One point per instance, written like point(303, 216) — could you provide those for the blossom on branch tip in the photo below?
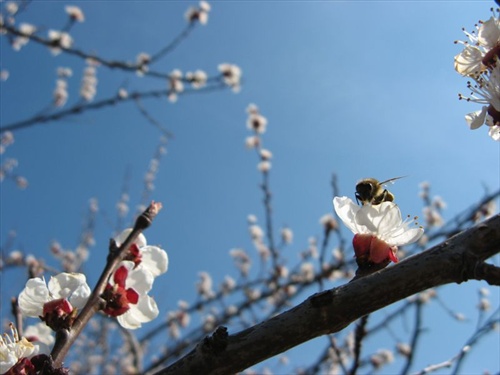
point(378, 230)
point(200, 14)
point(75, 13)
point(126, 296)
point(152, 258)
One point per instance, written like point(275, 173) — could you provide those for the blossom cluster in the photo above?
point(58, 302)
point(9, 164)
point(479, 62)
point(257, 124)
point(88, 88)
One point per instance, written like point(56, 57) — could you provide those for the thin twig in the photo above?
point(414, 340)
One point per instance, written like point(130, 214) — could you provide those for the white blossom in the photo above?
point(88, 87)
point(231, 75)
point(75, 13)
point(287, 235)
point(70, 286)
point(59, 39)
point(152, 258)
point(479, 61)
point(140, 280)
point(13, 348)
point(382, 222)
point(20, 41)
point(199, 14)
point(198, 79)
point(175, 85)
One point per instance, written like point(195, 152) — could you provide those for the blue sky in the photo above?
point(353, 88)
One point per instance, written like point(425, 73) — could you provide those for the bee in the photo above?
point(371, 191)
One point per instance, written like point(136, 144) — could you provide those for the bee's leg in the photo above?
point(387, 196)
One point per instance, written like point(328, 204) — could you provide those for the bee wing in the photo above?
point(391, 180)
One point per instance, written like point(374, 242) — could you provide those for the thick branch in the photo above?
point(453, 261)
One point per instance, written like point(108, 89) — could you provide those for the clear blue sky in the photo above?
point(353, 88)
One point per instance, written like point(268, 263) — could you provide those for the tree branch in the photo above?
point(454, 261)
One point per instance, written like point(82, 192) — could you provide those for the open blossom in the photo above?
point(204, 286)
point(231, 75)
point(378, 229)
point(142, 61)
point(13, 351)
point(175, 85)
point(59, 39)
point(256, 122)
point(75, 13)
point(198, 79)
point(286, 235)
point(152, 258)
point(480, 50)
point(37, 295)
point(20, 41)
point(198, 14)
point(126, 296)
point(479, 61)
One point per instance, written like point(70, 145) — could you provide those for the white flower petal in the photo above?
point(390, 217)
point(476, 119)
point(145, 311)
point(494, 132)
point(140, 240)
point(467, 64)
point(346, 209)
point(40, 333)
point(404, 238)
point(72, 286)
point(7, 359)
point(154, 259)
point(33, 296)
point(488, 34)
point(140, 279)
point(469, 61)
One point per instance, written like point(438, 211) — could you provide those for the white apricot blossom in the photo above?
point(13, 348)
point(152, 258)
point(70, 286)
point(378, 229)
point(479, 61)
point(126, 296)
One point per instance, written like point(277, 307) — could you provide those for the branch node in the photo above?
point(322, 299)
point(216, 343)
